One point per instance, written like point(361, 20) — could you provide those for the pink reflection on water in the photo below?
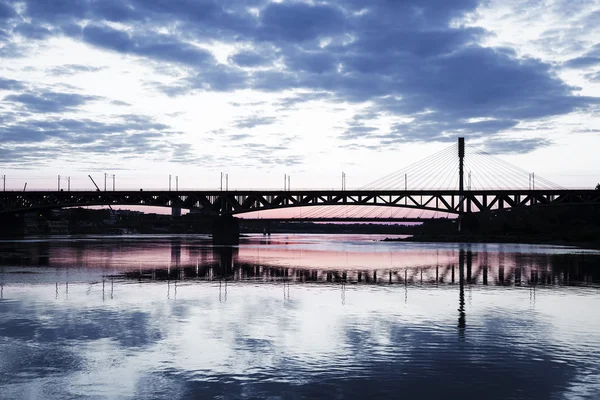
point(347, 258)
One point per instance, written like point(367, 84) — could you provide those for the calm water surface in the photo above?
point(296, 316)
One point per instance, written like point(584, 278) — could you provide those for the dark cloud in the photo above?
point(428, 129)
point(514, 146)
point(292, 101)
point(262, 157)
point(592, 21)
point(57, 11)
point(152, 45)
point(82, 131)
point(6, 11)
point(10, 49)
point(10, 84)
point(31, 31)
point(405, 58)
point(589, 59)
point(210, 77)
point(49, 102)
point(185, 154)
point(119, 103)
point(238, 136)
point(254, 121)
point(594, 76)
point(250, 59)
point(297, 22)
point(357, 131)
point(72, 69)
point(312, 62)
point(34, 141)
point(114, 10)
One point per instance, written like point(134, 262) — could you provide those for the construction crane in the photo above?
point(94, 182)
point(98, 189)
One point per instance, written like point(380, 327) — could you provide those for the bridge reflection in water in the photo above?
point(470, 268)
point(508, 269)
point(308, 259)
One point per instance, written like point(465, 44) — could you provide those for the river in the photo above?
point(296, 316)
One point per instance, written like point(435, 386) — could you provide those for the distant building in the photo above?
point(35, 225)
point(58, 227)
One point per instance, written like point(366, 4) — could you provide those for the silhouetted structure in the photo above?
point(470, 205)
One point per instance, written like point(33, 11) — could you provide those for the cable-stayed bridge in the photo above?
point(455, 181)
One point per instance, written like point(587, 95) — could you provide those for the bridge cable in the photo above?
point(418, 176)
point(422, 173)
point(381, 182)
point(443, 177)
point(501, 171)
point(413, 168)
point(517, 170)
point(501, 174)
point(423, 170)
point(521, 171)
point(428, 170)
point(482, 172)
point(427, 177)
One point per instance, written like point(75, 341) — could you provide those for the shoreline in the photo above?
point(518, 239)
point(423, 238)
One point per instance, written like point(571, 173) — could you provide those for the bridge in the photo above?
point(233, 202)
point(438, 184)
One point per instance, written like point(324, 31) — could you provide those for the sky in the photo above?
point(141, 89)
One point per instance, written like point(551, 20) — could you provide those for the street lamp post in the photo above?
point(113, 178)
point(105, 176)
point(68, 178)
point(469, 185)
point(4, 183)
point(532, 181)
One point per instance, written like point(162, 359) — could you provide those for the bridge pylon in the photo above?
point(461, 179)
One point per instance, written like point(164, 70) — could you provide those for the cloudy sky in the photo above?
point(257, 89)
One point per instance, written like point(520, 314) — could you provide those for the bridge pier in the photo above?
point(267, 229)
point(11, 225)
point(226, 231)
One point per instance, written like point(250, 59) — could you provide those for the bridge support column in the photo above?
point(226, 231)
point(267, 229)
point(12, 225)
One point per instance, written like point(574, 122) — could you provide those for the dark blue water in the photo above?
point(298, 316)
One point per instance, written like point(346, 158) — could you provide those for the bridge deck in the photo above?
point(243, 201)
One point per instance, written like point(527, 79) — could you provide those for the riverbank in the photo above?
point(587, 242)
